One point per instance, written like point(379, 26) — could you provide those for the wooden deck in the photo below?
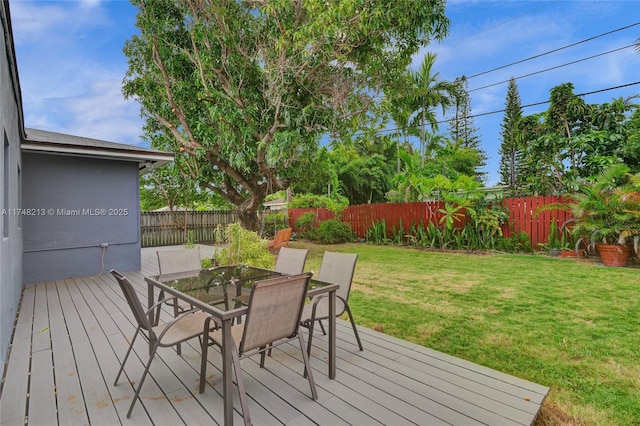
point(71, 334)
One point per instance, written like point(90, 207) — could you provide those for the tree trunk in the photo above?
point(248, 215)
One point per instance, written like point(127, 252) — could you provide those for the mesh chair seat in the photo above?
point(273, 317)
point(184, 327)
point(336, 268)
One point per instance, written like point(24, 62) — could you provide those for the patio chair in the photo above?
point(281, 239)
point(179, 262)
point(336, 268)
point(186, 326)
point(291, 261)
point(273, 317)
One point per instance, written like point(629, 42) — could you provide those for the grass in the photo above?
point(572, 325)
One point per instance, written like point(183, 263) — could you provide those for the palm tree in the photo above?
point(428, 94)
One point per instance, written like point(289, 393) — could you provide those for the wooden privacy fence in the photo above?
point(171, 228)
point(522, 216)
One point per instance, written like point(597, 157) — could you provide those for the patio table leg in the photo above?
point(227, 377)
point(332, 334)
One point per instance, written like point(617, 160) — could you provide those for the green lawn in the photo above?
point(572, 325)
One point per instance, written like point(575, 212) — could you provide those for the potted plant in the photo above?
point(606, 212)
point(571, 247)
point(555, 242)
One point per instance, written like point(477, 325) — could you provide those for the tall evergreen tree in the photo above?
point(462, 129)
point(510, 149)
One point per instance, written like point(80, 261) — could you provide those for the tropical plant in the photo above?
point(606, 210)
point(377, 234)
point(427, 95)
point(244, 247)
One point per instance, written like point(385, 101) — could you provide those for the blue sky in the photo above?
point(71, 63)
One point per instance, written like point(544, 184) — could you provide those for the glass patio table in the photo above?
point(223, 293)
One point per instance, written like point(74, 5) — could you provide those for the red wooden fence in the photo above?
point(524, 216)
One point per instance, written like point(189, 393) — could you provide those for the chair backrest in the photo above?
point(181, 260)
point(134, 302)
point(338, 268)
point(281, 239)
point(283, 235)
point(275, 308)
point(291, 261)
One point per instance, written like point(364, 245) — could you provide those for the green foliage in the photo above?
point(607, 210)
point(279, 195)
point(332, 231)
point(484, 225)
point(377, 234)
point(190, 242)
point(206, 262)
point(244, 247)
point(336, 203)
point(557, 239)
point(363, 169)
point(397, 232)
point(519, 243)
point(274, 221)
point(306, 222)
point(510, 146)
point(573, 141)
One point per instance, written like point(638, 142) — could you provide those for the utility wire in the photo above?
point(523, 106)
point(553, 68)
point(554, 50)
point(546, 102)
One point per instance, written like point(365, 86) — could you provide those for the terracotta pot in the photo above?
point(571, 253)
point(613, 254)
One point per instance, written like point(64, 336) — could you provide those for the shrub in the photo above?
point(306, 222)
point(515, 244)
point(332, 231)
point(244, 247)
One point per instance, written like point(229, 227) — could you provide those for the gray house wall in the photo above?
point(11, 130)
point(79, 204)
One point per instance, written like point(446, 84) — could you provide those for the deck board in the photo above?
point(71, 335)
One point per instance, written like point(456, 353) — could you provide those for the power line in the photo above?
point(523, 106)
point(553, 68)
point(554, 50)
point(546, 102)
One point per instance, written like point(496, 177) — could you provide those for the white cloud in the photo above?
point(69, 82)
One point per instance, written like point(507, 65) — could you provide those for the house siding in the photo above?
point(10, 162)
point(79, 205)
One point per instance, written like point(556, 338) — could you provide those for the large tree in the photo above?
point(245, 89)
